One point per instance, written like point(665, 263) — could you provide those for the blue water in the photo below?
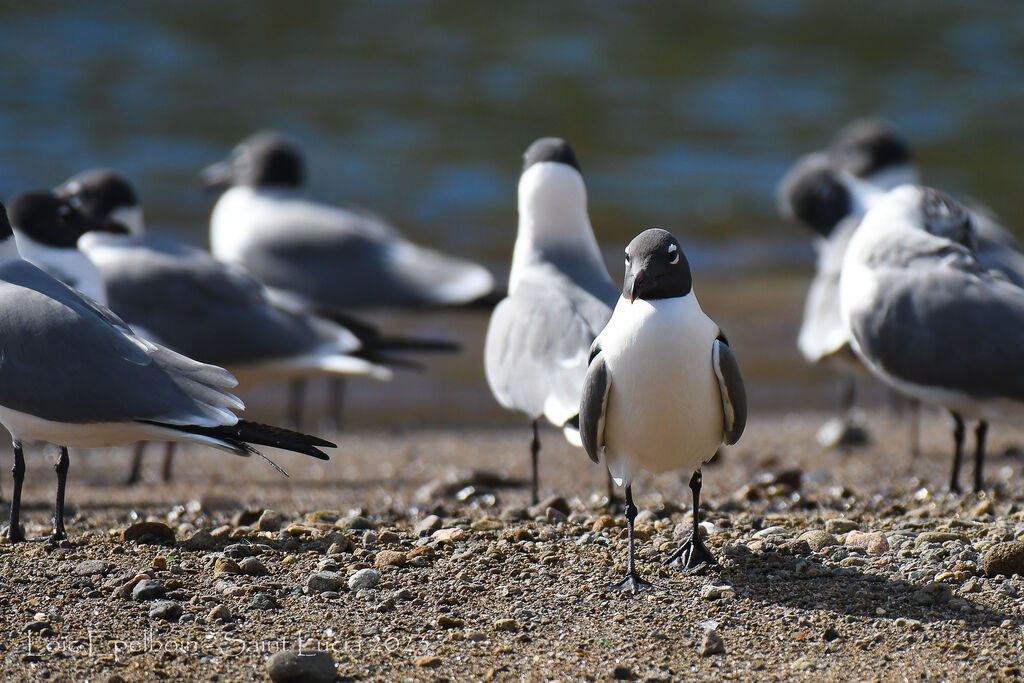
point(683, 115)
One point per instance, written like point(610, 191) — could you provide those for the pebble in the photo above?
point(168, 610)
point(841, 526)
point(37, 626)
point(226, 565)
point(263, 601)
point(505, 625)
point(238, 551)
point(487, 524)
point(818, 539)
point(355, 522)
point(320, 582)
point(270, 520)
point(246, 517)
point(201, 540)
point(794, 547)
point(933, 593)
point(302, 666)
point(772, 531)
point(829, 634)
point(148, 589)
point(91, 567)
point(723, 592)
point(389, 558)
point(873, 541)
point(515, 513)
point(554, 502)
point(149, 533)
point(1004, 558)
point(445, 622)
point(364, 579)
point(603, 522)
point(428, 662)
point(712, 643)
point(939, 537)
point(389, 538)
point(622, 673)
point(476, 636)
point(450, 535)
point(428, 525)
point(220, 613)
point(250, 566)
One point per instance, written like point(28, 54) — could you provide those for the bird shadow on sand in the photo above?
point(785, 580)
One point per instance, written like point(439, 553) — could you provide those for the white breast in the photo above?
point(665, 409)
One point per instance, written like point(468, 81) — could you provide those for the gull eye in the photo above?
point(627, 258)
point(673, 254)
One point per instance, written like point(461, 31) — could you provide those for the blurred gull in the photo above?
point(559, 298)
point(74, 374)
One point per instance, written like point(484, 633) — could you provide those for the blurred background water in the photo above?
point(683, 115)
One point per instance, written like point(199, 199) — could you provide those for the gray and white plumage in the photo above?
point(327, 255)
point(663, 389)
point(924, 313)
point(559, 294)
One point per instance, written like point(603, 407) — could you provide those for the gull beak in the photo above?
point(218, 176)
point(639, 280)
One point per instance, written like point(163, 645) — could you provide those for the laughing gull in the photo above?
point(74, 374)
point(663, 390)
point(559, 297)
point(929, 319)
point(326, 255)
point(47, 229)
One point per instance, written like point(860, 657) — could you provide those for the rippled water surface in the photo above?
point(682, 114)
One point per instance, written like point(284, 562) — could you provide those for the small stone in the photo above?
point(445, 622)
point(710, 592)
point(389, 538)
point(37, 626)
point(646, 517)
point(201, 540)
point(802, 664)
point(873, 541)
point(771, 531)
point(796, 547)
point(505, 625)
point(622, 673)
point(246, 517)
point(842, 432)
point(226, 565)
point(712, 643)
point(250, 566)
point(428, 662)
point(302, 666)
point(939, 537)
point(263, 601)
point(476, 636)
point(933, 593)
point(160, 562)
point(840, 526)
point(818, 539)
point(1004, 558)
point(515, 513)
point(168, 610)
point(364, 579)
point(270, 520)
point(428, 525)
point(519, 535)
point(355, 522)
point(149, 533)
point(238, 551)
point(323, 517)
point(487, 524)
point(554, 502)
point(450, 535)
point(91, 567)
point(321, 582)
point(220, 613)
point(829, 634)
point(389, 558)
point(603, 522)
point(148, 589)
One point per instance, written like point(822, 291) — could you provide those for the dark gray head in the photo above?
point(867, 146)
point(265, 159)
point(946, 217)
point(549, 149)
point(813, 194)
point(99, 192)
point(5, 225)
point(50, 220)
point(656, 267)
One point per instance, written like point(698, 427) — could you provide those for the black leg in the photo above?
point(847, 395)
point(63, 463)
point(168, 470)
point(612, 498)
point(632, 582)
point(335, 400)
point(135, 473)
point(18, 473)
point(534, 450)
point(296, 398)
point(958, 453)
point(914, 420)
point(693, 553)
point(980, 434)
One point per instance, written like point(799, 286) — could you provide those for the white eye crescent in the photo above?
point(673, 254)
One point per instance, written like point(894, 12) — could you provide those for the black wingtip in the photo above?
point(243, 433)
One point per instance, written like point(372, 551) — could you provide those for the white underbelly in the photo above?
point(25, 427)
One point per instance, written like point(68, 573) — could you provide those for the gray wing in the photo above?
point(339, 258)
point(67, 359)
point(203, 308)
point(538, 343)
point(594, 407)
point(949, 325)
point(732, 390)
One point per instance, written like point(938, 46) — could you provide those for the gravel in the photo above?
point(364, 579)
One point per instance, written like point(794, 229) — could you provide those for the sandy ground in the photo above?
point(836, 613)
